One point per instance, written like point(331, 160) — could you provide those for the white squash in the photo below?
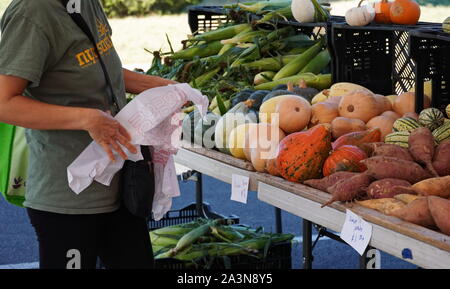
point(303, 11)
point(360, 16)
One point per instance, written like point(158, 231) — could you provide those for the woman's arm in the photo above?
point(23, 111)
point(136, 82)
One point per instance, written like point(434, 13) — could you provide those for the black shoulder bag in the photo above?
point(138, 181)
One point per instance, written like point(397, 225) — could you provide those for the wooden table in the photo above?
point(429, 249)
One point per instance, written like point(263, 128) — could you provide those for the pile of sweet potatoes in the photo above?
point(412, 184)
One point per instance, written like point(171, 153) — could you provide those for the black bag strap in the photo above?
point(79, 20)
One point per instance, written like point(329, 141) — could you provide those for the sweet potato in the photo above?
point(406, 198)
point(440, 210)
point(326, 182)
point(441, 159)
point(348, 189)
point(392, 150)
point(380, 167)
point(416, 212)
point(433, 187)
point(369, 148)
point(384, 205)
point(359, 137)
point(421, 147)
point(387, 188)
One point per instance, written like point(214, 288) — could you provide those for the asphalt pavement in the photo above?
point(19, 249)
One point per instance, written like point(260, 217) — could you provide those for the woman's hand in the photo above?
point(108, 133)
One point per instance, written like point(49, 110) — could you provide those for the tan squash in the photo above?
point(263, 142)
point(406, 102)
point(412, 115)
point(384, 123)
point(359, 104)
point(251, 134)
point(294, 113)
point(343, 125)
point(324, 112)
point(383, 103)
point(392, 114)
point(334, 99)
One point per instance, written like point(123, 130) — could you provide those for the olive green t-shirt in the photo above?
point(41, 43)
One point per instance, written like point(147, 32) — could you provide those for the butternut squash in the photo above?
point(294, 113)
point(384, 103)
point(359, 104)
point(324, 112)
point(384, 123)
point(391, 114)
point(406, 102)
point(343, 125)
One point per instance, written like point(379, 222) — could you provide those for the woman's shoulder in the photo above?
point(42, 13)
point(33, 10)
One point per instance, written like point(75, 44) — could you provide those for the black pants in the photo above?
point(119, 239)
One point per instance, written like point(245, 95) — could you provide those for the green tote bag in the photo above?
point(13, 163)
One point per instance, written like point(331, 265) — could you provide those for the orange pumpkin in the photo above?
point(301, 155)
point(271, 167)
point(406, 12)
point(346, 158)
point(358, 138)
point(382, 12)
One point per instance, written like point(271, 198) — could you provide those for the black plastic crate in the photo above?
point(186, 215)
point(278, 257)
point(430, 50)
point(205, 18)
point(375, 56)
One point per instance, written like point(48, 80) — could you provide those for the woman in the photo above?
point(51, 82)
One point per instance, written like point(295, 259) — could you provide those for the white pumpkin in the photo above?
point(360, 16)
point(303, 11)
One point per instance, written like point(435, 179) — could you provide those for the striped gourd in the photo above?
point(446, 25)
point(399, 138)
point(442, 133)
point(431, 118)
point(407, 124)
point(447, 111)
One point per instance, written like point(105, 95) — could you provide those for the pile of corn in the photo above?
point(203, 238)
point(224, 61)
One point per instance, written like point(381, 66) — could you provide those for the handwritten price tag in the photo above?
point(356, 232)
point(239, 188)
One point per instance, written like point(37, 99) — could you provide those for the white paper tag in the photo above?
point(239, 188)
point(356, 232)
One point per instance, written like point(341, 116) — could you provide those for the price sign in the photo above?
point(239, 188)
point(356, 232)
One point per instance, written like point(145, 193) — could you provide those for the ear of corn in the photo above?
point(297, 64)
point(227, 47)
point(221, 33)
point(204, 78)
point(282, 13)
point(270, 64)
point(318, 63)
point(201, 51)
point(245, 37)
point(321, 81)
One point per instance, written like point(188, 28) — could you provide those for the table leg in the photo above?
point(199, 195)
point(278, 223)
point(307, 244)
